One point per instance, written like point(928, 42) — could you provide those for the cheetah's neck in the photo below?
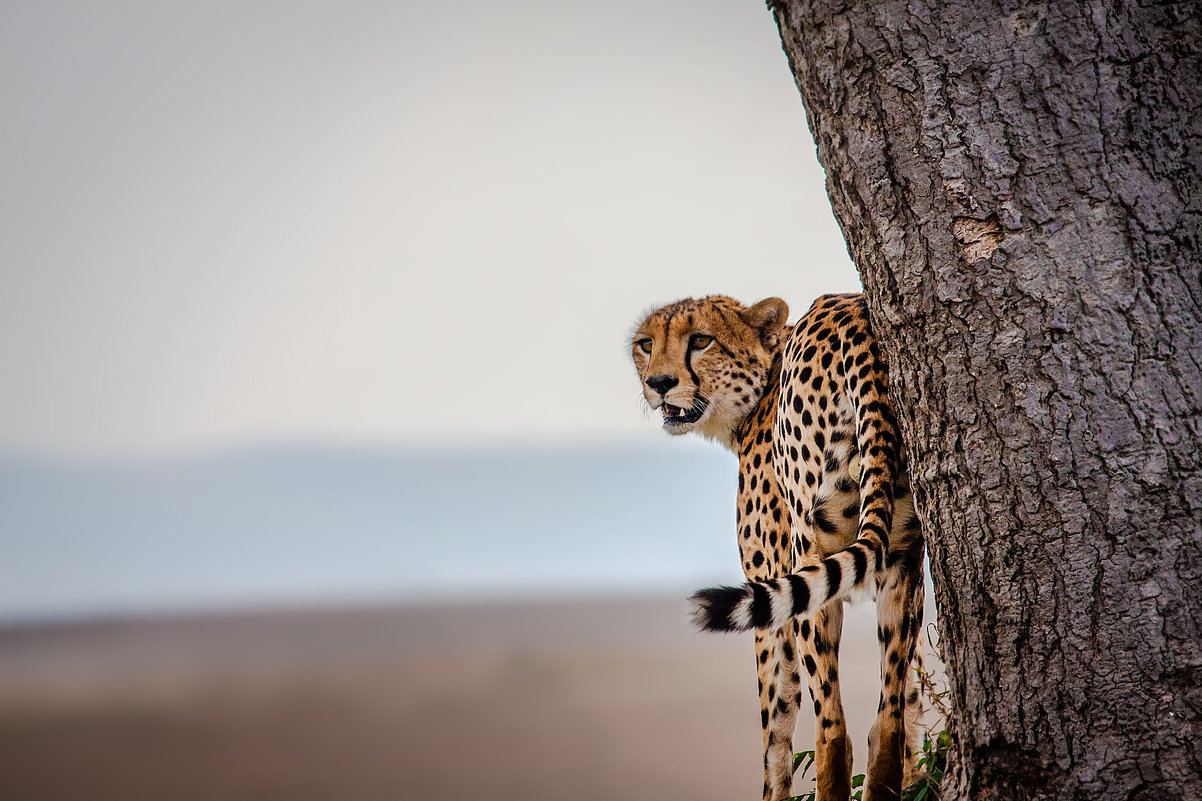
point(762, 416)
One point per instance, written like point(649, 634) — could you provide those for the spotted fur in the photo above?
point(824, 511)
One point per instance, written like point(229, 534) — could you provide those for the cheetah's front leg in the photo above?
point(779, 681)
point(819, 641)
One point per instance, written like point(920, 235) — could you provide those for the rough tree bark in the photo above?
point(1020, 185)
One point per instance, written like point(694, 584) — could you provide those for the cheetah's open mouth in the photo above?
point(679, 416)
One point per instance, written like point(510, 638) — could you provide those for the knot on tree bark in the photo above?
point(978, 239)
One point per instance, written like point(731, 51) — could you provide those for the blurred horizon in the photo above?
point(287, 525)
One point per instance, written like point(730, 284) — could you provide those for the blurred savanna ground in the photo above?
point(596, 700)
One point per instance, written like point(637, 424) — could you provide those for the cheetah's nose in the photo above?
point(662, 383)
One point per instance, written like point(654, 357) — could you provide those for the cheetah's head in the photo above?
point(704, 363)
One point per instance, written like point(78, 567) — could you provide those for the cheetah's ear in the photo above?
point(766, 318)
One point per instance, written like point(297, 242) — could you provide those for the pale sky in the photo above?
point(384, 222)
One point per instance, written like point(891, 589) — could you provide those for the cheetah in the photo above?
point(824, 511)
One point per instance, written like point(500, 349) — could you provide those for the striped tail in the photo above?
point(771, 603)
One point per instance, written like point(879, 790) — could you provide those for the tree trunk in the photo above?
point(1020, 186)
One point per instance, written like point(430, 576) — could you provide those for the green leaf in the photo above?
point(857, 780)
point(803, 797)
point(804, 759)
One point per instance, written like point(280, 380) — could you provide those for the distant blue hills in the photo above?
point(279, 526)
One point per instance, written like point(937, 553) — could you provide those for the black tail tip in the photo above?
point(713, 609)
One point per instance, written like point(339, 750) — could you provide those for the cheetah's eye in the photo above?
point(644, 345)
point(700, 341)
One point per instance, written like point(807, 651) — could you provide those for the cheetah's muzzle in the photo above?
point(678, 416)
